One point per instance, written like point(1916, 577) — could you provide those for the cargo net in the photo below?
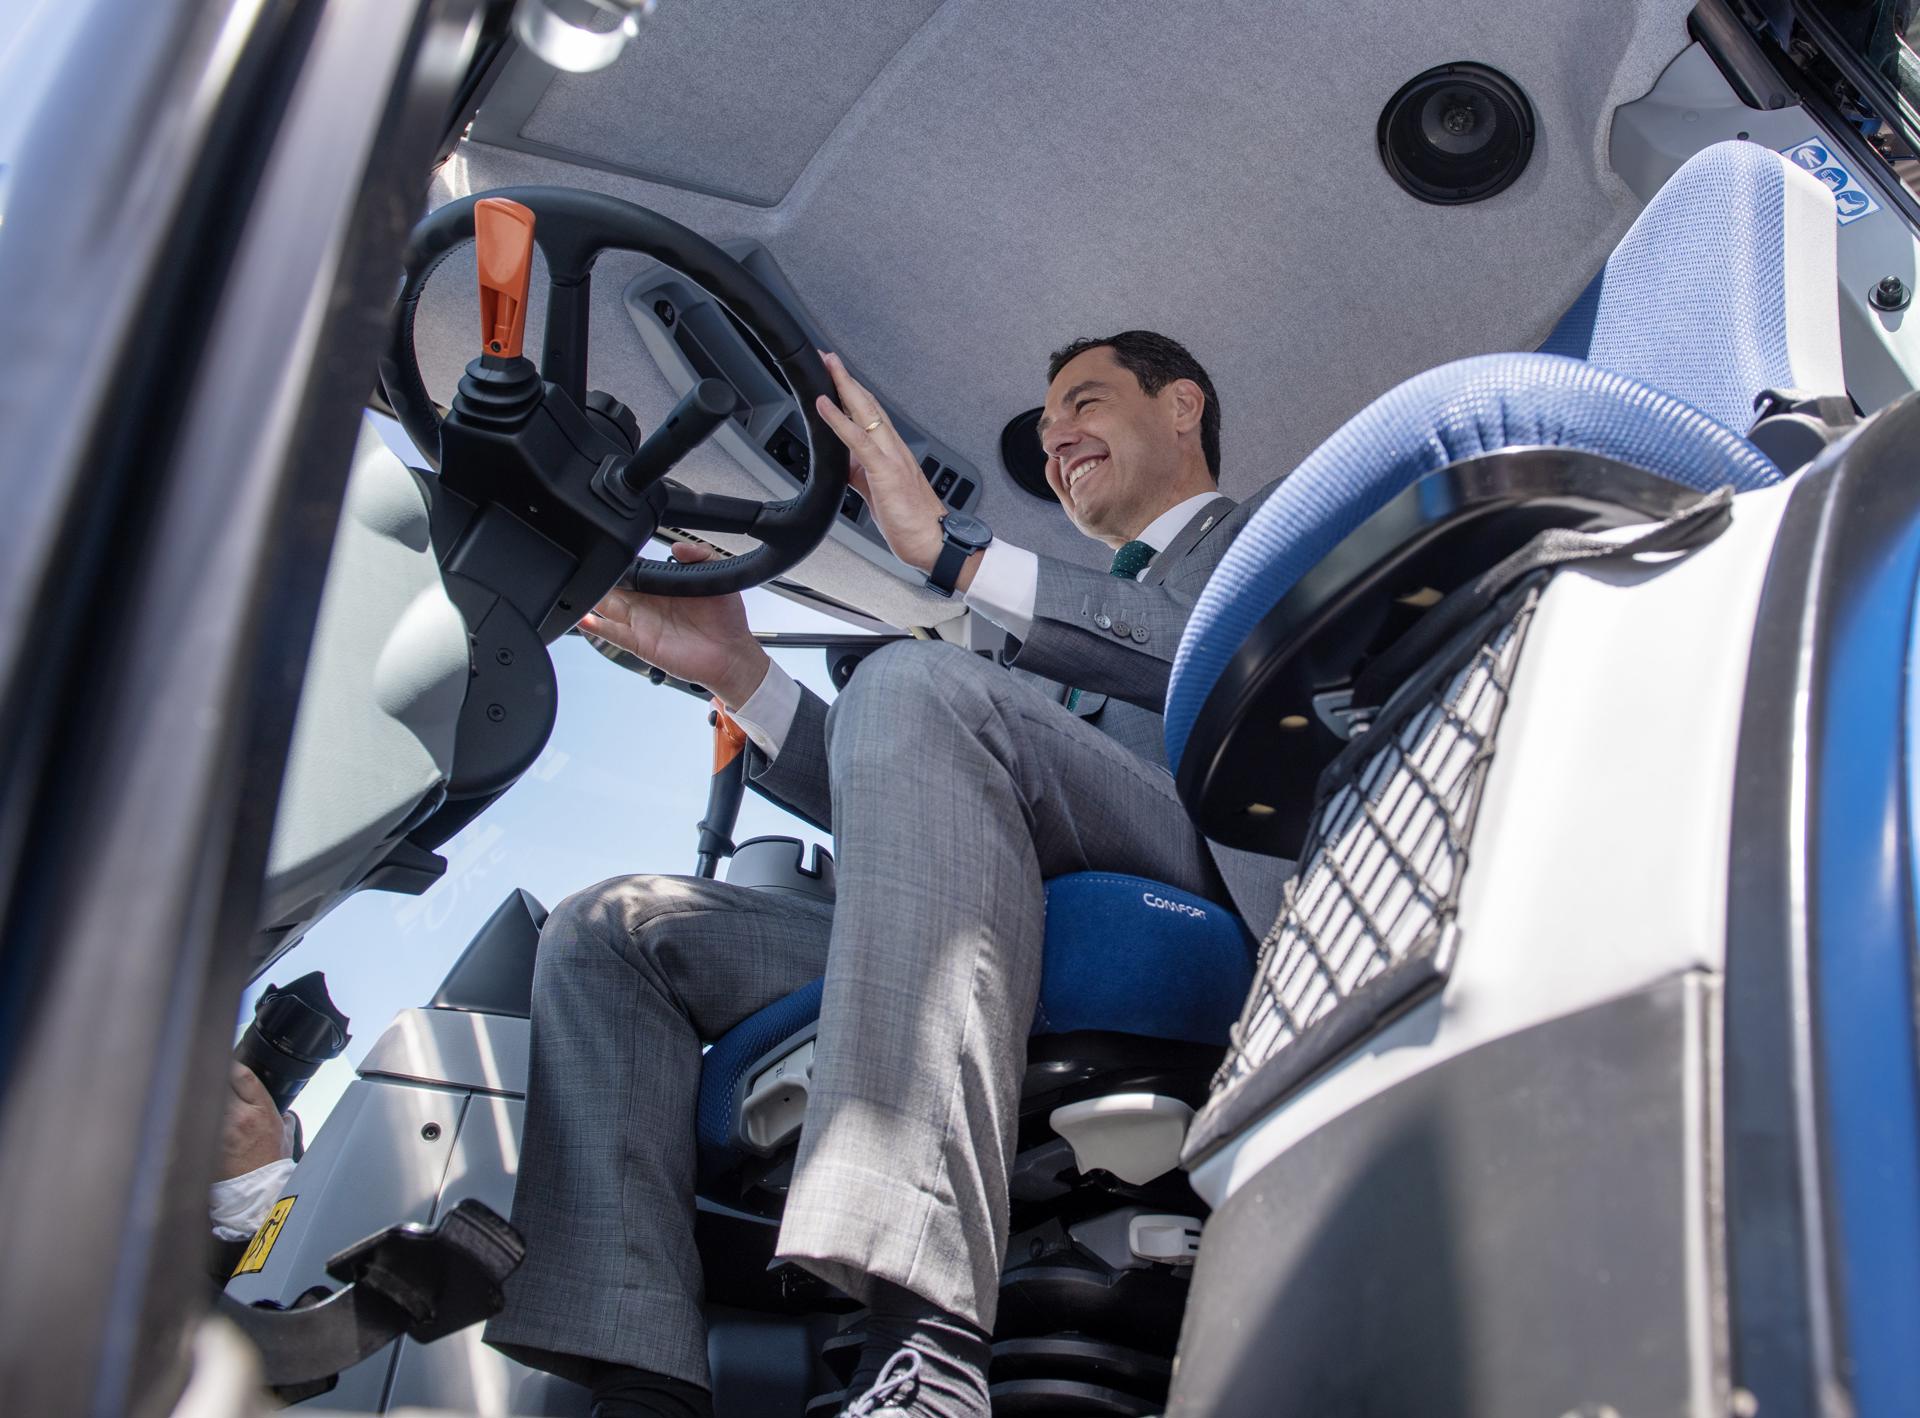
point(1368, 921)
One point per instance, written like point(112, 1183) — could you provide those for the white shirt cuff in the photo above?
point(767, 716)
point(239, 1204)
point(1004, 586)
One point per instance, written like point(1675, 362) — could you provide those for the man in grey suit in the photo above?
point(953, 789)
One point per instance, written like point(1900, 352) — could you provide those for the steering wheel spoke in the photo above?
point(563, 346)
point(684, 510)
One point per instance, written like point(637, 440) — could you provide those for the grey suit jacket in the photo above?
point(1113, 639)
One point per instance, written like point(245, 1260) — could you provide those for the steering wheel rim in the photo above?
point(572, 228)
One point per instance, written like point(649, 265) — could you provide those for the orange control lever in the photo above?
point(728, 737)
point(724, 791)
point(503, 249)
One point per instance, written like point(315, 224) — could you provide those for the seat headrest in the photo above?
point(1726, 285)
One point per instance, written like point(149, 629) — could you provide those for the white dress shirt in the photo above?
point(239, 1204)
point(1003, 590)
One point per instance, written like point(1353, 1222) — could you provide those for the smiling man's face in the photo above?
point(1116, 455)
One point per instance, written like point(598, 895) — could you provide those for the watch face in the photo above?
point(968, 531)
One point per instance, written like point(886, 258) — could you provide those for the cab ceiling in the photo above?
point(957, 188)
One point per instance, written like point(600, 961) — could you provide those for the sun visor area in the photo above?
point(723, 97)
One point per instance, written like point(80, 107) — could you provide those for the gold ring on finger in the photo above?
point(870, 427)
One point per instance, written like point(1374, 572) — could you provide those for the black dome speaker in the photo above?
point(1455, 134)
point(1020, 454)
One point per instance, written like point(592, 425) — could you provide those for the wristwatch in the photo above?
point(961, 537)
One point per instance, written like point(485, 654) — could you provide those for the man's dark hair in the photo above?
point(1156, 362)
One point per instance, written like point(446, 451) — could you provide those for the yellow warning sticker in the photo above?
point(261, 1246)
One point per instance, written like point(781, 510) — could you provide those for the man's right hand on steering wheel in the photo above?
point(704, 639)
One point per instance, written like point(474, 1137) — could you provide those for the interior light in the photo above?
point(579, 36)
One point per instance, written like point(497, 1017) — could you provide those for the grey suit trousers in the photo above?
point(956, 792)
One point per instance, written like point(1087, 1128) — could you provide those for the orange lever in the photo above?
point(728, 738)
point(503, 249)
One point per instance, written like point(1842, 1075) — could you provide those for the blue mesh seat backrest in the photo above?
point(1459, 411)
point(1725, 286)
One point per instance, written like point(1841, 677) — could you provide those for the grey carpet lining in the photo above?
point(1017, 174)
point(733, 96)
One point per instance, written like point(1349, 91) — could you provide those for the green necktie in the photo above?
point(1128, 562)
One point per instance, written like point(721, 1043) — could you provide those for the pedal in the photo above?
point(423, 1282)
point(443, 1279)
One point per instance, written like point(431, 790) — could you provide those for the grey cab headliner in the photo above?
point(956, 187)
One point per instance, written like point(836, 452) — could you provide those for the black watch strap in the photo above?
point(946, 566)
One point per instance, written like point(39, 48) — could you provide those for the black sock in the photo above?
point(952, 1379)
point(621, 1392)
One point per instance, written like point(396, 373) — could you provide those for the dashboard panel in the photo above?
point(691, 336)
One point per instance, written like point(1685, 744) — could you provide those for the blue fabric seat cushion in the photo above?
point(723, 1072)
point(1123, 954)
point(1463, 410)
point(1134, 956)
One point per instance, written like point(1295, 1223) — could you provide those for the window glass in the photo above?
point(620, 788)
point(1886, 34)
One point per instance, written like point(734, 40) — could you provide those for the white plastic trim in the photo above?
point(1171, 1240)
point(1135, 1136)
point(1810, 270)
point(776, 1102)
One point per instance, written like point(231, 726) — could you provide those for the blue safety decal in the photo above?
point(1851, 201)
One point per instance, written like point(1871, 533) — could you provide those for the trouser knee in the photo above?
point(896, 693)
point(621, 918)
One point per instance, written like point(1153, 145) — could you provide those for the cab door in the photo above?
point(203, 219)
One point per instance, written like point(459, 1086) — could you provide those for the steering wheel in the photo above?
point(572, 227)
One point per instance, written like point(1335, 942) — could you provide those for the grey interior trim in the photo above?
point(790, 74)
point(522, 84)
point(453, 1048)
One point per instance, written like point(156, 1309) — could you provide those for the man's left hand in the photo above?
point(254, 1132)
point(905, 508)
